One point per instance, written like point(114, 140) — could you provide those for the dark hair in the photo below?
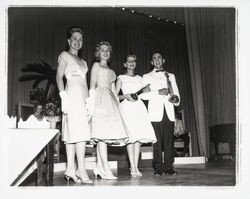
point(129, 55)
point(74, 29)
point(98, 47)
point(151, 66)
point(155, 53)
point(36, 106)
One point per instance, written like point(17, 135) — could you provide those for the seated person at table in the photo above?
point(38, 113)
point(37, 119)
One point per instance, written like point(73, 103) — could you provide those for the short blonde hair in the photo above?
point(98, 48)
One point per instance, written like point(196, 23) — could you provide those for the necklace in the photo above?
point(78, 58)
point(130, 75)
point(104, 66)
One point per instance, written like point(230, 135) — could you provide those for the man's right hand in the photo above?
point(163, 91)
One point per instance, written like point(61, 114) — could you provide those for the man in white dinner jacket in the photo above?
point(162, 114)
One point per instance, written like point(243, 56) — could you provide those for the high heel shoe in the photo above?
point(70, 176)
point(83, 180)
point(99, 173)
point(133, 172)
point(138, 173)
point(110, 177)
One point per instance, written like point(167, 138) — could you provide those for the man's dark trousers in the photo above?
point(164, 131)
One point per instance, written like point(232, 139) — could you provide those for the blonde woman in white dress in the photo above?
point(107, 125)
point(75, 127)
point(134, 113)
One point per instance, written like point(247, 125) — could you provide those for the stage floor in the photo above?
point(213, 173)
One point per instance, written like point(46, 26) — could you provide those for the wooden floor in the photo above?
point(213, 173)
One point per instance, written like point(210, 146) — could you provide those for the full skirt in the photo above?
point(137, 121)
point(107, 124)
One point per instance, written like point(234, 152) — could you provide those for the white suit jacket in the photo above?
point(157, 103)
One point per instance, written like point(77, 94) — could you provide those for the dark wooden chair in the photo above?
point(24, 110)
point(182, 143)
point(223, 133)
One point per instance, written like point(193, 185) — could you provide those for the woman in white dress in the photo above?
point(107, 124)
point(134, 112)
point(75, 127)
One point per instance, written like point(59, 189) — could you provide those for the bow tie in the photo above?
point(165, 72)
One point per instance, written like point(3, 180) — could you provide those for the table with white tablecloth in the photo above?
point(27, 146)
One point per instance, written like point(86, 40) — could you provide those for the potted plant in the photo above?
point(40, 72)
point(52, 111)
point(48, 97)
point(51, 106)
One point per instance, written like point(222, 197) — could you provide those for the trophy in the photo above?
point(173, 98)
point(135, 95)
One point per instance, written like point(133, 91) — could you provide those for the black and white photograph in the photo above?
point(144, 98)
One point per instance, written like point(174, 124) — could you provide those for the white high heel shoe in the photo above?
point(83, 180)
point(133, 172)
point(99, 173)
point(110, 176)
point(71, 176)
point(138, 173)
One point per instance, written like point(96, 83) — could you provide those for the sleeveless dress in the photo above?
point(135, 113)
point(107, 123)
point(75, 126)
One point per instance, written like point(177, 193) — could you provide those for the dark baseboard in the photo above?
point(122, 164)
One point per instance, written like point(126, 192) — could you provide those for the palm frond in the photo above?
point(35, 68)
point(53, 76)
point(38, 72)
point(42, 68)
point(30, 77)
point(46, 65)
point(37, 82)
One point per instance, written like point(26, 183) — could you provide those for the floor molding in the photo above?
point(177, 160)
point(147, 154)
point(89, 163)
point(190, 160)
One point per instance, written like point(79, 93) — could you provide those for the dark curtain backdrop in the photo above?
point(212, 60)
point(211, 39)
point(40, 33)
point(218, 58)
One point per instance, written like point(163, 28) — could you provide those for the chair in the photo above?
point(182, 137)
point(24, 110)
point(221, 134)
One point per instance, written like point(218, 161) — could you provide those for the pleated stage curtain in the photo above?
point(212, 59)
